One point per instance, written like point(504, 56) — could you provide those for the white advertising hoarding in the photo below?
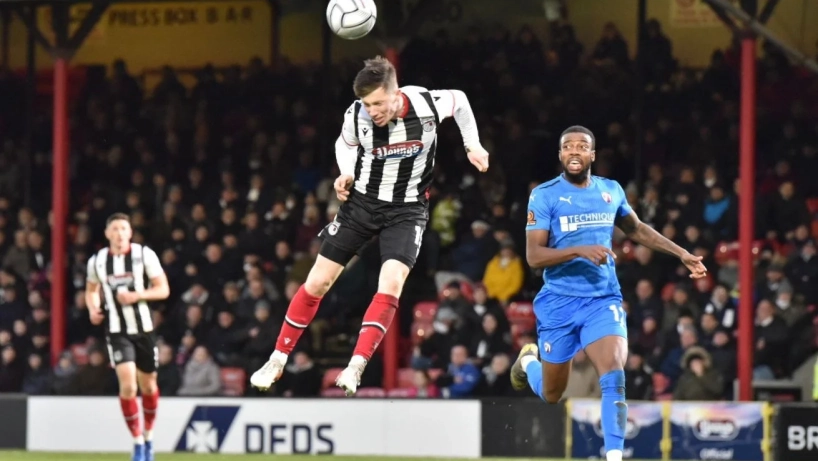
point(433, 428)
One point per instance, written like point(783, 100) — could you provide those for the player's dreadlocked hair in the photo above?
point(377, 72)
point(579, 129)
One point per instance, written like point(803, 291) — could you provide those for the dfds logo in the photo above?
point(207, 428)
point(715, 429)
point(289, 438)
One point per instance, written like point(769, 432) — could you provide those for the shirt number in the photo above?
point(618, 314)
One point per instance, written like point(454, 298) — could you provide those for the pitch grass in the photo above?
point(40, 456)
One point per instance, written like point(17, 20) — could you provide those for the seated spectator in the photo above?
point(202, 376)
point(301, 378)
point(462, 377)
point(422, 386)
point(699, 381)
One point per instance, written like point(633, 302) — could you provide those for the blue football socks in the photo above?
point(534, 374)
point(614, 409)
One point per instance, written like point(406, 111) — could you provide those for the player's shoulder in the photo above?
point(101, 253)
point(413, 89)
point(549, 186)
point(355, 106)
point(543, 191)
point(143, 249)
point(607, 182)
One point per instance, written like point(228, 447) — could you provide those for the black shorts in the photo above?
point(139, 349)
point(399, 226)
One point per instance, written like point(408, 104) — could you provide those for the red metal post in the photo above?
point(59, 208)
point(391, 344)
point(747, 135)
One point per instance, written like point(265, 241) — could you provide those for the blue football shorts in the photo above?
point(566, 324)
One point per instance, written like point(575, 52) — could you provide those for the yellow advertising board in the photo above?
point(184, 34)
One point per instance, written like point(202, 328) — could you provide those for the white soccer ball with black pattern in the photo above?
point(351, 19)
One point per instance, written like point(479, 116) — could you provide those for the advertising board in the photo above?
point(278, 426)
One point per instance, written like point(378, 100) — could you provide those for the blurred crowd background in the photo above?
point(230, 181)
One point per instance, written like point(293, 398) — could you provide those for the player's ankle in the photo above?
point(358, 361)
point(279, 356)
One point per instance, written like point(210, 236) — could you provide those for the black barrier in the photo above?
point(796, 432)
point(522, 427)
point(14, 422)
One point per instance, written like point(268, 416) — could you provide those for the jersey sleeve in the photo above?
point(624, 208)
point(455, 103)
point(539, 213)
point(91, 276)
point(152, 265)
point(346, 146)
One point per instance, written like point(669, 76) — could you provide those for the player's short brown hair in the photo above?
point(378, 72)
point(117, 217)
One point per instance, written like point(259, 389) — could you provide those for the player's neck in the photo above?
point(402, 108)
point(583, 180)
point(119, 250)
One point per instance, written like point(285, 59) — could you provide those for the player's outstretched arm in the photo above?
point(455, 103)
point(645, 235)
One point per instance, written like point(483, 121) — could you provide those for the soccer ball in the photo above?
point(351, 19)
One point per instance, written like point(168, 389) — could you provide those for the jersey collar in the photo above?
point(405, 106)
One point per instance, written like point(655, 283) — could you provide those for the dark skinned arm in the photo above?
point(539, 255)
point(645, 235)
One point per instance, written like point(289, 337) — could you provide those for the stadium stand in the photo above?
point(230, 181)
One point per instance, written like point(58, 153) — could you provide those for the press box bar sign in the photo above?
point(184, 34)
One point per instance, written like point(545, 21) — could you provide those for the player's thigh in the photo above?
point(604, 333)
point(402, 236)
point(122, 353)
point(556, 331)
point(146, 355)
point(351, 229)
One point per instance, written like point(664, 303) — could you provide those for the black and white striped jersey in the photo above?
point(131, 271)
point(394, 163)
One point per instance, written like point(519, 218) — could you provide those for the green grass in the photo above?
point(40, 456)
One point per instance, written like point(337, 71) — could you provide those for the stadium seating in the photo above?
point(329, 377)
point(521, 317)
point(233, 381)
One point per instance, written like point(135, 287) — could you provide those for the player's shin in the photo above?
point(533, 371)
point(614, 413)
point(377, 319)
point(130, 411)
point(300, 313)
point(150, 403)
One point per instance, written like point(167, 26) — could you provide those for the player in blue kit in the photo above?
point(570, 228)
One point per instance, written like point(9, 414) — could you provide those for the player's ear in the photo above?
point(593, 156)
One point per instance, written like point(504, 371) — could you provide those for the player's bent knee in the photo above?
point(552, 397)
point(127, 390)
point(392, 277)
point(322, 276)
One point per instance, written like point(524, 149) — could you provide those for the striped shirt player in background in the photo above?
point(120, 270)
point(386, 155)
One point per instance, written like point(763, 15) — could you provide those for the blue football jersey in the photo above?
point(577, 216)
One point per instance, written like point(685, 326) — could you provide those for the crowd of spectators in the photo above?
point(231, 180)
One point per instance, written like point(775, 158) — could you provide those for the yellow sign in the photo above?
point(183, 34)
point(693, 13)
